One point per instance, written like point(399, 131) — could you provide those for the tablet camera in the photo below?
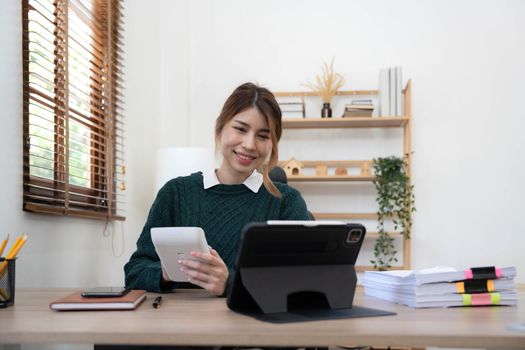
point(354, 235)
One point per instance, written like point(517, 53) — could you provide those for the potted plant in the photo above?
point(395, 198)
point(326, 87)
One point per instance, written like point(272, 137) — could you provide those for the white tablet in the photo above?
point(175, 243)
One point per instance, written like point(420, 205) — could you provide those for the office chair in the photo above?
point(277, 174)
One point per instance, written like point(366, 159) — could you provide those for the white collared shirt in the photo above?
point(253, 182)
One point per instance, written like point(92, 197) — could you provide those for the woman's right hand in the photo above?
point(165, 277)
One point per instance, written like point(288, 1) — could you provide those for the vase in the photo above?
point(326, 112)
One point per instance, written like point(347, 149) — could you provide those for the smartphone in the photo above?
point(104, 292)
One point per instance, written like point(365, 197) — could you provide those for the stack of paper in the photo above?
point(444, 286)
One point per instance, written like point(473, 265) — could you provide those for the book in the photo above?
point(361, 101)
point(384, 93)
point(392, 91)
point(76, 301)
point(358, 110)
point(292, 106)
point(399, 91)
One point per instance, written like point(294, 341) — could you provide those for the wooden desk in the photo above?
point(195, 318)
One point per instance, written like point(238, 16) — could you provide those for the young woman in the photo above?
point(223, 200)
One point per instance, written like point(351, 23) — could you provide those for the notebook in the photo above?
point(76, 301)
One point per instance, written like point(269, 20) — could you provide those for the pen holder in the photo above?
point(7, 282)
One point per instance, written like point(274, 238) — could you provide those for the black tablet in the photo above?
point(283, 265)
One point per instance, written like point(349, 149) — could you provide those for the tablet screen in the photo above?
point(296, 243)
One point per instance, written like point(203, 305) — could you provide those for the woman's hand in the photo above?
point(165, 277)
point(209, 273)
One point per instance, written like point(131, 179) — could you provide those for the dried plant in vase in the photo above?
point(326, 87)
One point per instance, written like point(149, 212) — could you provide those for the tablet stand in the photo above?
point(271, 287)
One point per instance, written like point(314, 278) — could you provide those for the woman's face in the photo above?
point(245, 143)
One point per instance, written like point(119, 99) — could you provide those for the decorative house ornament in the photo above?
point(293, 167)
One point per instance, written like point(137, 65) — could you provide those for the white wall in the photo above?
point(183, 58)
point(466, 61)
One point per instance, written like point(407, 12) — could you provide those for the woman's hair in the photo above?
point(248, 96)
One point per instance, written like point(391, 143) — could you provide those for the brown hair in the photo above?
point(247, 96)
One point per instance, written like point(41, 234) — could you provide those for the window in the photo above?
point(73, 121)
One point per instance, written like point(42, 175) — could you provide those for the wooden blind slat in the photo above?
point(86, 141)
point(56, 187)
point(95, 132)
point(46, 154)
point(92, 121)
point(77, 201)
point(53, 153)
point(41, 208)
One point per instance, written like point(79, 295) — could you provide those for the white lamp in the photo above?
point(181, 161)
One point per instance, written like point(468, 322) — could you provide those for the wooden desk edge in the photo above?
point(239, 330)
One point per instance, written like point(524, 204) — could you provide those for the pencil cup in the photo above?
point(7, 283)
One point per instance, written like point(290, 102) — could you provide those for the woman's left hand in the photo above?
point(209, 273)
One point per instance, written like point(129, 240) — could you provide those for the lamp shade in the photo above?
point(181, 161)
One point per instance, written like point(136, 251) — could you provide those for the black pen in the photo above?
point(157, 302)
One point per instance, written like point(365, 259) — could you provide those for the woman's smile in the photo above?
point(244, 158)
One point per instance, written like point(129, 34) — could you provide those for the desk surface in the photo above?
point(196, 318)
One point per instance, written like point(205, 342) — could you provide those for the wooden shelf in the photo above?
point(376, 234)
point(330, 163)
point(345, 216)
point(332, 178)
point(333, 123)
point(404, 122)
point(338, 93)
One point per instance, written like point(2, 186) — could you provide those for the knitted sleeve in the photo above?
point(143, 271)
point(293, 206)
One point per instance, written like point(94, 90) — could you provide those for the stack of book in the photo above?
point(292, 106)
point(444, 286)
point(359, 108)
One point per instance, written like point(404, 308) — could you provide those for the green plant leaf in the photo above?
point(395, 198)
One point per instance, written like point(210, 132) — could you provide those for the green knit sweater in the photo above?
point(221, 211)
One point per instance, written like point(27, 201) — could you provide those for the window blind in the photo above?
point(73, 113)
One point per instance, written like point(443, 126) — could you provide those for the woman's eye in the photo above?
point(242, 130)
point(264, 137)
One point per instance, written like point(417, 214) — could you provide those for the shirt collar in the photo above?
point(253, 182)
